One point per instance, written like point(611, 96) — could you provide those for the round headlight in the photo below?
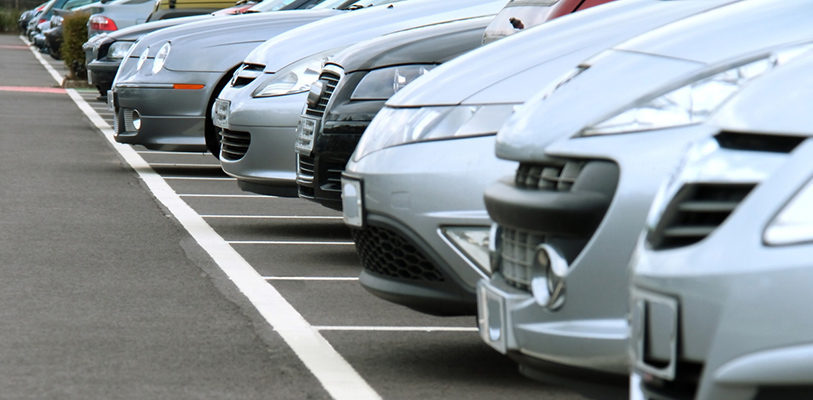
point(161, 58)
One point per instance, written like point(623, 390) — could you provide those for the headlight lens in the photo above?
point(142, 58)
point(161, 58)
point(294, 78)
point(118, 50)
point(694, 102)
point(794, 224)
point(382, 83)
point(396, 126)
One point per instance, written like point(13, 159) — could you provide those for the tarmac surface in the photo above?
point(109, 294)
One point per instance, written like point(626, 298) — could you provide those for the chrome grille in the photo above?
point(305, 168)
point(517, 250)
point(234, 145)
point(695, 212)
point(549, 177)
point(246, 74)
point(334, 180)
point(329, 78)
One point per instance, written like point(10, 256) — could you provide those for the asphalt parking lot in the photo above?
point(128, 277)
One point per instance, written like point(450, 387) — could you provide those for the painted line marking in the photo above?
point(308, 278)
point(191, 153)
point(269, 216)
point(293, 242)
point(196, 178)
point(229, 195)
point(185, 165)
point(14, 47)
point(397, 328)
point(32, 89)
point(335, 374)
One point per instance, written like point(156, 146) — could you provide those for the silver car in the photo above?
point(570, 218)
point(413, 190)
point(259, 111)
point(721, 290)
point(168, 81)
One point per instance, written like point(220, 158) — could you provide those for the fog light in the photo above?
point(472, 242)
point(136, 120)
point(550, 272)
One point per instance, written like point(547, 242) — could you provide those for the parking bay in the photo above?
point(305, 251)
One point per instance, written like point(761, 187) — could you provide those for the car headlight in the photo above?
point(692, 102)
point(142, 58)
point(794, 223)
point(382, 83)
point(118, 50)
point(397, 126)
point(161, 58)
point(294, 78)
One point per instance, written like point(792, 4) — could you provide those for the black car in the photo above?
point(353, 87)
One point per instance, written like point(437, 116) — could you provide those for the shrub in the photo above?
point(9, 19)
point(74, 34)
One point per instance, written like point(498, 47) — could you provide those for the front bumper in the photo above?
point(171, 119)
point(258, 143)
point(101, 74)
point(742, 329)
point(413, 191)
point(589, 202)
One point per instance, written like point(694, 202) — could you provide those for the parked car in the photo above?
point(27, 15)
point(569, 219)
point(118, 14)
point(416, 186)
point(260, 108)
point(48, 20)
point(720, 293)
point(162, 101)
point(328, 133)
point(104, 53)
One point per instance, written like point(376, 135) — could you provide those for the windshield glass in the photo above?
point(270, 5)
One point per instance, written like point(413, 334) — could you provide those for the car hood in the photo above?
point(409, 46)
point(617, 79)
point(777, 103)
point(136, 31)
point(353, 27)
point(723, 33)
point(193, 44)
point(507, 72)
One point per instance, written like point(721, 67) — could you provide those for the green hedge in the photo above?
point(8, 19)
point(74, 34)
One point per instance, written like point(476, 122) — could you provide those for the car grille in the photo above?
point(517, 250)
point(548, 177)
point(385, 252)
point(234, 144)
point(329, 79)
point(695, 212)
point(246, 74)
point(758, 142)
point(306, 168)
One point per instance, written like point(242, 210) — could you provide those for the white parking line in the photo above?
point(213, 166)
point(309, 278)
point(259, 196)
point(295, 242)
point(397, 328)
point(269, 216)
point(335, 374)
point(196, 178)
